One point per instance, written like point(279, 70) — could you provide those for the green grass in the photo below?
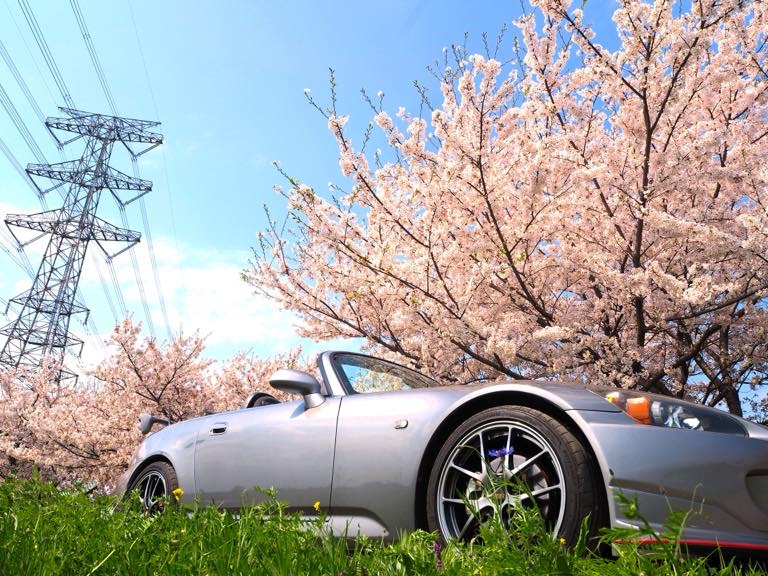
point(44, 530)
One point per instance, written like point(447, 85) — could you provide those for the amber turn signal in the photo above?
point(640, 409)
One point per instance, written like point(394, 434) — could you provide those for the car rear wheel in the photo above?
point(155, 485)
point(509, 457)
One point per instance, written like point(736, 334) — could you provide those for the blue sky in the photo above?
point(226, 79)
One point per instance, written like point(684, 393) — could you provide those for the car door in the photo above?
point(382, 431)
point(279, 445)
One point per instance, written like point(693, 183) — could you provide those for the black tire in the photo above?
point(548, 461)
point(155, 485)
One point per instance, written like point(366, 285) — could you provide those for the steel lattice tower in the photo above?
point(42, 327)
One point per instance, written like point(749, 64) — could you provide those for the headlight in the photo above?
point(668, 412)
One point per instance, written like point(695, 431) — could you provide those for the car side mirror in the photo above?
point(298, 382)
point(146, 421)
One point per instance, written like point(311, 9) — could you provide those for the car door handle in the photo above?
point(218, 428)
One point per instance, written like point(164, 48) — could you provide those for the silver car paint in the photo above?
point(373, 464)
point(176, 444)
point(703, 473)
point(279, 445)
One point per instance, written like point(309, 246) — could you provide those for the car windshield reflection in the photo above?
point(363, 374)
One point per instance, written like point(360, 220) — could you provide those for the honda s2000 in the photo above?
point(385, 450)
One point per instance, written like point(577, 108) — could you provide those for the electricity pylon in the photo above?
point(41, 329)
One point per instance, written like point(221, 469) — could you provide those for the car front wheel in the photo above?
point(509, 457)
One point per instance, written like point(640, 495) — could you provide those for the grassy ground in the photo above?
point(47, 531)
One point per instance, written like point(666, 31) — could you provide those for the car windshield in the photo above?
point(366, 374)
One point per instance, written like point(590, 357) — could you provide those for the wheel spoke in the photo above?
point(151, 488)
point(475, 475)
point(517, 469)
point(157, 490)
point(148, 493)
point(467, 524)
point(539, 492)
point(506, 453)
point(483, 464)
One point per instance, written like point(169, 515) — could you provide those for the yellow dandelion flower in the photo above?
point(562, 541)
point(178, 493)
point(316, 505)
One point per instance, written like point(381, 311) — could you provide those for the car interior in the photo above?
point(260, 399)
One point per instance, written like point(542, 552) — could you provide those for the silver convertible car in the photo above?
point(384, 449)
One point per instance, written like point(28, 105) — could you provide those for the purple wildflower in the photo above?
point(439, 555)
point(495, 453)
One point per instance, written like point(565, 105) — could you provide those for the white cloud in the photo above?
point(205, 294)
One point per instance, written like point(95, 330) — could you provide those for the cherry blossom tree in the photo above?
point(21, 393)
point(88, 430)
point(574, 212)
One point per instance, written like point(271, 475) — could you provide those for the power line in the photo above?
point(29, 51)
point(94, 56)
point(116, 286)
point(155, 272)
point(110, 101)
point(102, 79)
point(22, 84)
point(143, 60)
point(139, 280)
point(97, 265)
point(21, 126)
point(82, 24)
point(90, 328)
point(18, 260)
point(24, 176)
point(145, 220)
point(59, 79)
point(22, 260)
point(46, 51)
point(153, 263)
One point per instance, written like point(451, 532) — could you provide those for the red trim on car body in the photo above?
point(707, 543)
